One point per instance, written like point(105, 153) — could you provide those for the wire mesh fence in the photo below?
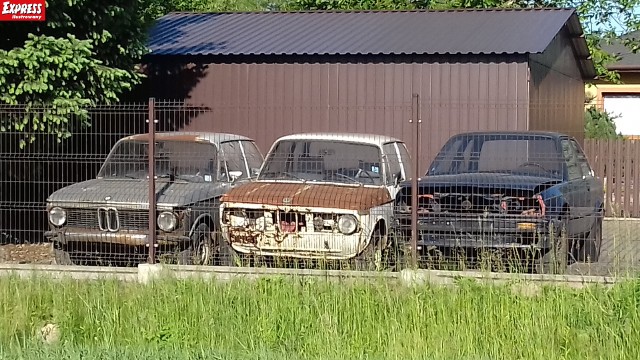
point(319, 186)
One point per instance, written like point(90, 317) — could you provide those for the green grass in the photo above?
point(296, 319)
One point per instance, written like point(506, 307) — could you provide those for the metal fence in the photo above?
point(328, 195)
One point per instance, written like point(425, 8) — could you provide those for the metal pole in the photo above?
point(152, 181)
point(415, 118)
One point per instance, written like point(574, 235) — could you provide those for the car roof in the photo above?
point(211, 137)
point(553, 134)
point(373, 139)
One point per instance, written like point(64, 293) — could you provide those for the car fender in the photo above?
point(554, 201)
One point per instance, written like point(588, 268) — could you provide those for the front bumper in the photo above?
point(130, 238)
point(301, 245)
point(477, 231)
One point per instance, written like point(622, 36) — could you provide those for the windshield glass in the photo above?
point(324, 160)
point(186, 160)
point(512, 154)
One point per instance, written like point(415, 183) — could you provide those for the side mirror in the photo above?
point(234, 175)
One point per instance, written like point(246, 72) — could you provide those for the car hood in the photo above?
point(309, 195)
point(495, 181)
point(135, 192)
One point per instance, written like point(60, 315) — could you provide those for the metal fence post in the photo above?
point(152, 182)
point(415, 118)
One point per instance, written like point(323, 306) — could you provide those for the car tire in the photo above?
point(590, 251)
point(62, 257)
point(556, 259)
point(371, 259)
point(200, 248)
point(224, 253)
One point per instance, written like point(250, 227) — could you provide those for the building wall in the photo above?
point(557, 90)
point(270, 99)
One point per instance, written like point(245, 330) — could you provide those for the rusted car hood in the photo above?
point(308, 195)
point(101, 191)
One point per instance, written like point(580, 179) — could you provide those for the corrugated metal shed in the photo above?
point(416, 32)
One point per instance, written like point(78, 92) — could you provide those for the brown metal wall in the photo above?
point(557, 90)
point(268, 100)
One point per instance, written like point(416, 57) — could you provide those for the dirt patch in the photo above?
point(27, 254)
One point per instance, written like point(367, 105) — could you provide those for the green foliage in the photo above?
point(85, 53)
point(599, 124)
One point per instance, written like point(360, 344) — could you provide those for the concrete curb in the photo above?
point(73, 272)
point(147, 273)
point(420, 277)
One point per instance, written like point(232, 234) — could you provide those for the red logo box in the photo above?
point(22, 10)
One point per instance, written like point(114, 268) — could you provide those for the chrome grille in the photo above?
point(126, 219)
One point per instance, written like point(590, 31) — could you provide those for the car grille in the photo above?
point(109, 220)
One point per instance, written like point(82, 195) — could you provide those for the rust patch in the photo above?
point(308, 195)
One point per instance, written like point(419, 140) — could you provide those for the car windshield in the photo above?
point(511, 154)
point(184, 160)
point(324, 160)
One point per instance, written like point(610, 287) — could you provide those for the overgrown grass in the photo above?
point(300, 319)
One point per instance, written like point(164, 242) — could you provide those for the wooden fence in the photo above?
point(614, 161)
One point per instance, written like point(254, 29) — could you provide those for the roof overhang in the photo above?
point(581, 49)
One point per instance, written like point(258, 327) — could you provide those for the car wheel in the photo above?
point(371, 259)
point(395, 256)
point(224, 253)
point(200, 249)
point(62, 257)
point(555, 260)
point(592, 246)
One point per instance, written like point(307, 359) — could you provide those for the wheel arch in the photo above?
point(203, 218)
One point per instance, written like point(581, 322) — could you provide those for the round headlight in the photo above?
point(347, 224)
point(57, 216)
point(167, 221)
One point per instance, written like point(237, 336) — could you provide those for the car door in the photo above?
point(574, 189)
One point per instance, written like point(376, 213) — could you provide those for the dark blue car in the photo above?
point(530, 192)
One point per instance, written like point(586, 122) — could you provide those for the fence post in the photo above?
point(415, 119)
point(152, 182)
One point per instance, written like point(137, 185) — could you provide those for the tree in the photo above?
point(600, 124)
point(85, 53)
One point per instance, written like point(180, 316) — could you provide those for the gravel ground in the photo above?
point(27, 254)
point(620, 251)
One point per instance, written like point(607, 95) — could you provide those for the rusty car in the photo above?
point(319, 196)
point(107, 218)
point(532, 193)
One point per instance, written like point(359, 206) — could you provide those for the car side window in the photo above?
point(582, 159)
point(253, 155)
point(573, 167)
point(232, 160)
point(393, 161)
point(405, 160)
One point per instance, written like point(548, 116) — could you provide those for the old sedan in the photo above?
point(107, 217)
point(533, 192)
point(319, 196)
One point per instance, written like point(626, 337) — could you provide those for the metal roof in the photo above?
point(628, 61)
point(421, 32)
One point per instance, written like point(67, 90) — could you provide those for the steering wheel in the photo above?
point(533, 164)
point(357, 176)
